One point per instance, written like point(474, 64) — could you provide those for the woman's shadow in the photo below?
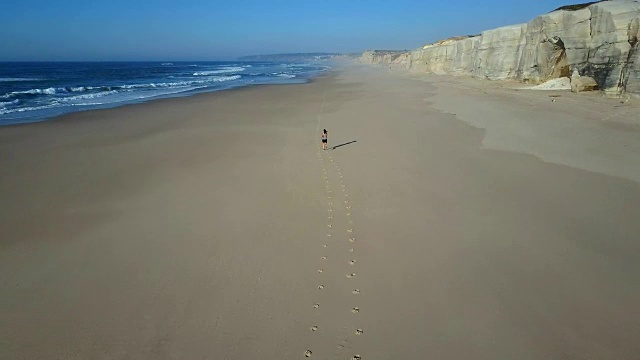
point(347, 143)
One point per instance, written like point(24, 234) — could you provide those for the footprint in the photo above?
point(356, 357)
point(315, 306)
point(324, 245)
point(307, 353)
point(355, 292)
point(352, 262)
point(329, 225)
point(328, 234)
point(352, 275)
point(352, 240)
point(350, 250)
point(350, 230)
point(320, 287)
point(355, 310)
point(348, 207)
point(324, 258)
point(320, 270)
point(315, 328)
point(348, 214)
point(359, 332)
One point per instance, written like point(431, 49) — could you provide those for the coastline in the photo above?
point(91, 113)
point(290, 80)
point(197, 227)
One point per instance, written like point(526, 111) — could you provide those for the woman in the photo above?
point(324, 139)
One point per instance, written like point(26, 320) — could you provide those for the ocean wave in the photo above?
point(86, 96)
point(288, 76)
point(212, 79)
point(29, 108)
point(224, 70)
point(74, 89)
point(7, 103)
point(88, 104)
point(11, 79)
point(166, 64)
point(47, 91)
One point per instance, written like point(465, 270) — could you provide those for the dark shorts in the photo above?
point(324, 141)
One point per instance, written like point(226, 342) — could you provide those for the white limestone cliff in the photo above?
point(599, 40)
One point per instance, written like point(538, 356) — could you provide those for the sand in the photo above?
point(466, 221)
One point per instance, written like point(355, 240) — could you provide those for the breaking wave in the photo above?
point(67, 90)
point(12, 79)
point(226, 70)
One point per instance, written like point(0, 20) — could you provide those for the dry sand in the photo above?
point(485, 223)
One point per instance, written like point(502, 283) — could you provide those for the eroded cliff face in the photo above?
point(385, 57)
point(600, 40)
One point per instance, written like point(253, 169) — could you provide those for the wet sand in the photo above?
point(457, 221)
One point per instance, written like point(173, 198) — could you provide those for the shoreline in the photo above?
point(181, 95)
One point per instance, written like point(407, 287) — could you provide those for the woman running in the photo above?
point(324, 139)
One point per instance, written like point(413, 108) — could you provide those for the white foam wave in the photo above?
point(86, 96)
point(7, 103)
point(47, 91)
point(87, 104)
point(288, 76)
point(30, 108)
point(211, 79)
point(54, 91)
point(224, 70)
point(11, 79)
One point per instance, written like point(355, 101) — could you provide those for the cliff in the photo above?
point(599, 40)
point(398, 57)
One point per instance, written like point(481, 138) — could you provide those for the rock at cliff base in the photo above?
point(583, 83)
point(562, 83)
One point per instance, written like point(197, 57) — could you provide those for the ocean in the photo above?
point(31, 92)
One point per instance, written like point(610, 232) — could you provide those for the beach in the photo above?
point(453, 218)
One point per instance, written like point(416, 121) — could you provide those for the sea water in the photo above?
point(39, 91)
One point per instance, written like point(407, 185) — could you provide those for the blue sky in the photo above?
point(65, 30)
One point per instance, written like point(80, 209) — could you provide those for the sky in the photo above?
point(137, 30)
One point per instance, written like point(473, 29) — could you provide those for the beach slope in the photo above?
point(453, 219)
